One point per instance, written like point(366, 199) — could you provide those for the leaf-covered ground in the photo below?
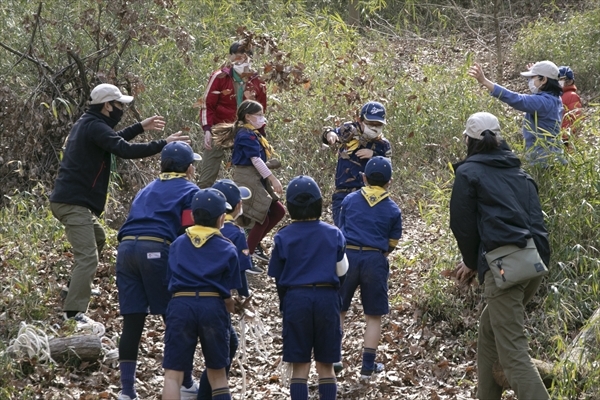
point(424, 359)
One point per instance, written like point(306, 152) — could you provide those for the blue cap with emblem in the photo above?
point(379, 169)
point(233, 193)
point(212, 201)
point(302, 191)
point(180, 154)
point(373, 111)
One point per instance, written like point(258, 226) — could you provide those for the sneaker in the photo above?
point(338, 367)
point(259, 254)
point(86, 323)
point(125, 397)
point(255, 270)
point(367, 373)
point(190, 393)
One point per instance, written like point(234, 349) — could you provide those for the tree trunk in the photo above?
point(499, 55)
point(84, 347)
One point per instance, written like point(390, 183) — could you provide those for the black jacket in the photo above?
point(84, 171)
point(495, 203)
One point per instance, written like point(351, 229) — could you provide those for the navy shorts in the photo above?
point(369, 270)
point(192, 318)
point(142, 277)
point(311, 320)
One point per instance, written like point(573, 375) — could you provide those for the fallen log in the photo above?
point(83, 347)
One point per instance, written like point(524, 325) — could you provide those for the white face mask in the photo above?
point(561, 84)
point(534, 89)
point(241, 212)
point(257, 121)
point(242, 68)
point(372, 132)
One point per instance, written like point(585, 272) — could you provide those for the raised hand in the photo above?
point(154, 123)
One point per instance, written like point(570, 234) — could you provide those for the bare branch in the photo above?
point(28, 57)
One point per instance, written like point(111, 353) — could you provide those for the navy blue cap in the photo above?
point(566, 72)
point(212, 201)
point(302, 191)
point(233, 193)
point(373, 111)
point(379, 168)
point(181, 153)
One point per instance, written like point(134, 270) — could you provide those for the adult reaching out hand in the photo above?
point(477, 72)
point(178, 136)
point(154, 123)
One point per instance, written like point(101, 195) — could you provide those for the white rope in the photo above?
point(285, 372)
point(31, 341)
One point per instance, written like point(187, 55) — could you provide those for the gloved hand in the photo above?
point(273, 163)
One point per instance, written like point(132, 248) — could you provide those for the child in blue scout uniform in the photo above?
point(252, 164)
point(203, 268)
point(307, 262)
point(359, 142)
point(234, 196)
point(154, 221)
point(372, 225)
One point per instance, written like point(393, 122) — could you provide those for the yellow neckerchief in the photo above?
point(355, 143)
point(229, 218)
point(165, 176)
point(374, 194)
point(199, 235)
point(262, 140)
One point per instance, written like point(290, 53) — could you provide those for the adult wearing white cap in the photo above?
point(494, 203)
point(543, 109)
point(80, 190)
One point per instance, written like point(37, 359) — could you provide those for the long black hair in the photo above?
point(551, 86)
point(489, 141)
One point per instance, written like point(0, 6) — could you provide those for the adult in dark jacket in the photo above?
point(227, 88)
point(495, 203)
point(81, 188)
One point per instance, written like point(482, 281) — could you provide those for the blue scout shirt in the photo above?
point(211, 267)
point(245, 146)
point(157, 208)
point(543, 116)
point(237, 236)
point(349, 166)
point(306, 253)
point(370, 218)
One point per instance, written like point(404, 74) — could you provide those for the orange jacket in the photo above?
point(571, 101)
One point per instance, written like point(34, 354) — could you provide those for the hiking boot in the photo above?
point(366, 374)
point(255, 270)
point(86, 323)
point(260, 255)
point(190, 393)
point(125, 397)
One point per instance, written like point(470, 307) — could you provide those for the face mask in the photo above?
point(372, 132)
point(240, 213)
point(242, 68)
point(561, 84)
point(116, 114)
point(257, 121)
point(532, 87)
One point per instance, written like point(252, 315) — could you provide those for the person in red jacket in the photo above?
point(571, 102)
point(226, 89)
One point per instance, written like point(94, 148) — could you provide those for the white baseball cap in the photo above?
point(106, 92)
point(543, 68)
point(479, 122)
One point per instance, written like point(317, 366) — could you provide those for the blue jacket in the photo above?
point(543, 116)
point(349, 166)
point(85, 168)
